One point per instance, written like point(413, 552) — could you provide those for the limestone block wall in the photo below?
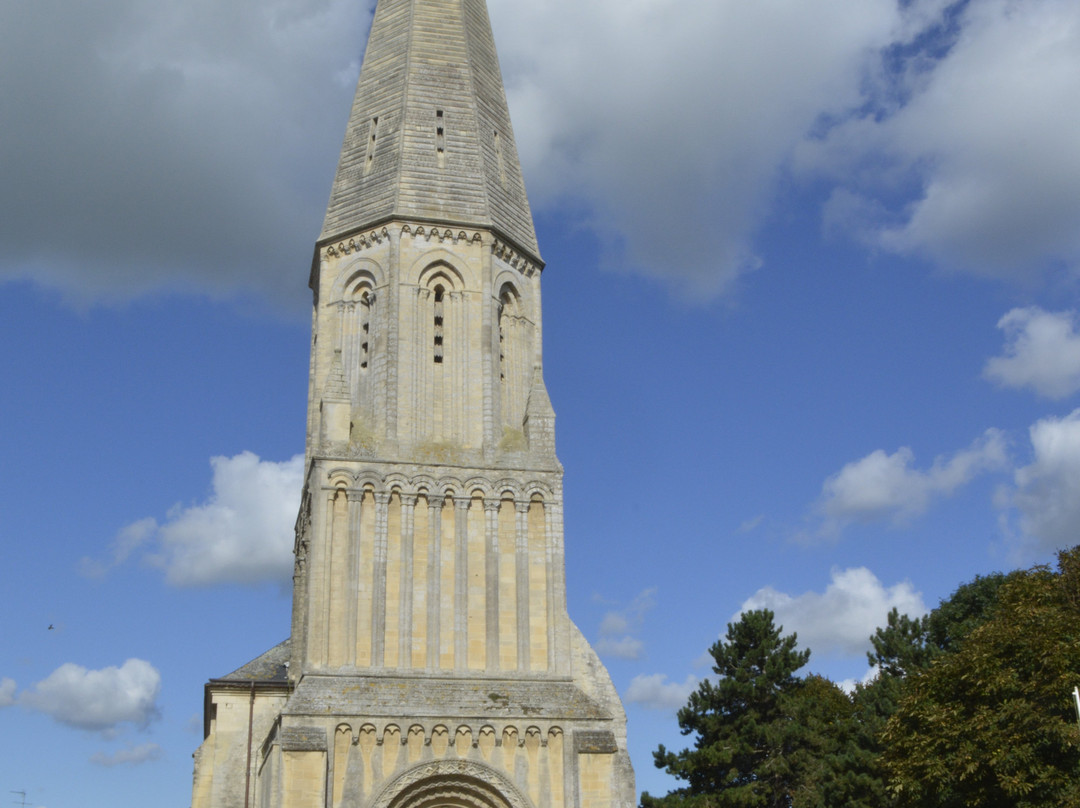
point(439, 574)
point(229, 750)
point(437, 333)
point(372, 762)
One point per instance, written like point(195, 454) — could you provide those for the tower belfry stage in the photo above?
point(431, 663)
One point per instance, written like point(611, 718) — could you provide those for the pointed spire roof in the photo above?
point(429, 137)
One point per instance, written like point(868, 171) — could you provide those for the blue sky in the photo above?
point(810, 334)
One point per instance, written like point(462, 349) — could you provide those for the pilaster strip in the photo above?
point(556, 594)
point(434, 579)
point(521, 553)
point(408, 510)
point(355, 503)
point(378, 616)
point(461, 582)
point(491, 568)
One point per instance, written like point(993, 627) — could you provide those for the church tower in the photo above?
point(431, 661)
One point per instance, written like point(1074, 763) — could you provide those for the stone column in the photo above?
point(356, 499)
point(461, 582)
point(556, 571)
point(408, 506)
point(491, 599)
point(521, 559)
point(434, 579)
point(378, 615)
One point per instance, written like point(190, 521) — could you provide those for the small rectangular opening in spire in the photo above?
point(440, 138)
point(372, 135)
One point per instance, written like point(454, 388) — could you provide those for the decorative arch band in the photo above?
point(456, 783)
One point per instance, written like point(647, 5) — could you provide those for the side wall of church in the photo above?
point(231, 749)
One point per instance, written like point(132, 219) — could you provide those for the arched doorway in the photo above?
point(450, 784)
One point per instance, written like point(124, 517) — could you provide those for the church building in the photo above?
point(431, 661)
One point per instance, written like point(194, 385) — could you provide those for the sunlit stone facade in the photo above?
point(431, 659)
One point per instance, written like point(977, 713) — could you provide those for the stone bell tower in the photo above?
point(432, 661)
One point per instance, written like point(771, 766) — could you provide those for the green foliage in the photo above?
point(991, 723)
point(966, 609)
point(900, 645)
point(971, 707)
point(747, 746)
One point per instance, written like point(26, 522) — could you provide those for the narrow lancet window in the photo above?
point(438, 346)
point(365, 329)
point(372, 134)
point(440, 138)
point(499, 158)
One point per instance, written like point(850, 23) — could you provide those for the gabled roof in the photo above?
point(269, 667)
point(429, 137)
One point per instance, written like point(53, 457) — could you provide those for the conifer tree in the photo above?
point(746, 746)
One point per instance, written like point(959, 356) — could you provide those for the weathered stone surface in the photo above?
point(431, 657)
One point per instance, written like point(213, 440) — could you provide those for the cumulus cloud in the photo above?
point(98, 700)
point(1042, 351)
point(129, 756)
point(161, 144)
point(243, 533)
point(1046, 495)
point(655, 692)
point(978, 119)
point(165, 145)
point(842, 618)
point(884, 486)
point(671, 120)
point(7, 692)
point(619, 627)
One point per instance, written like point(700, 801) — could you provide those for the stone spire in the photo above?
point(429, 137)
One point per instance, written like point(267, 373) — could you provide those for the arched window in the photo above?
point(514, 362)
point(441, 347)
point(358, 323)
point(438, 323)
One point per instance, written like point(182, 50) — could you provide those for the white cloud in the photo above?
point(984, 132)
point(243, 533)
point(848, 685)
point(1047, 491)
point(152, 139)
point(1042, 351)
point(621, 647)
point(671, 120)
point(130, 756)
point(162, 144)
point(842, 618)
point(7, 692)
point(884, 486)
point(619, 627)
point(655, 692)
point(126, 542)
point(98, 700)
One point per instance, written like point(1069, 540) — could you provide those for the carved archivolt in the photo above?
point(456, 783)
point(441, 234)
point(357, 243)
point(424, 485)
point(514, 258)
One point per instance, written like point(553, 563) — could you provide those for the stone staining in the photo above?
point(431, 659)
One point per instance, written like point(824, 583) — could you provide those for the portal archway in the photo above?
point(450, 784)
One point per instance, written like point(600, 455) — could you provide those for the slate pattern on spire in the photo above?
point(429, 137)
